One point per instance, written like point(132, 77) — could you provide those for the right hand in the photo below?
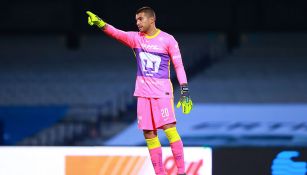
point(95, 20)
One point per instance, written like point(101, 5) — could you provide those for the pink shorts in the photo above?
point(153, 113)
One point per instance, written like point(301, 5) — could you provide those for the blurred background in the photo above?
point(64, 83)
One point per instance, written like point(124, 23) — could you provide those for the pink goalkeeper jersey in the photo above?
point(153, 56)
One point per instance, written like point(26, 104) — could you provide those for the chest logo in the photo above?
point(150, 63)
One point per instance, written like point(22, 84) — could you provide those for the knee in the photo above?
point(167, 126)
point(149, 134)
point(172, 134)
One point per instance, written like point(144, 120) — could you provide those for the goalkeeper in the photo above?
point(154, 50)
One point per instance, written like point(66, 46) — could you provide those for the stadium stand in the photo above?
point(254, 96)
point(96, 81)
point(266, 68)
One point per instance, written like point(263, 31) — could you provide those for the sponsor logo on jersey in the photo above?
point(176, 57)
point(150, 46)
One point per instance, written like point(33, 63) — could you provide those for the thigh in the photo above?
point(144, 115)
point(163, 111)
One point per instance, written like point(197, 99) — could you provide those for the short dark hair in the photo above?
point(148, 10)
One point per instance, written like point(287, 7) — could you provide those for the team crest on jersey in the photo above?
point(150, 63)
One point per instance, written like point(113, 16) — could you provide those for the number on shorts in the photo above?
point(164, 112)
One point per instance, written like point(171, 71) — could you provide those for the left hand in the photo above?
point(185, 100)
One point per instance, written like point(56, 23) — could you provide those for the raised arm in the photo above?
point(122, 36)
point(126, 38)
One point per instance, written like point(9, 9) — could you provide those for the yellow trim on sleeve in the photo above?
point(134, 53)
point(169, 76)
point(172, 103)
point(169, 69)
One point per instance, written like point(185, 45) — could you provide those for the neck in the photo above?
point(153, 30)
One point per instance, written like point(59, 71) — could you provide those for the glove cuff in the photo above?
point(184, 89)
point(101, 23)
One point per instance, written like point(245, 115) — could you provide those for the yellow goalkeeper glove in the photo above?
point(185, 100)
point(95, 20)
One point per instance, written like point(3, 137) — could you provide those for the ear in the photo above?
point(152, 20)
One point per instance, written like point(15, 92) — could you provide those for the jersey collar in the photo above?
point(153, 36)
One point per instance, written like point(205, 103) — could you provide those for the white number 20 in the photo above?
point(164, 112)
